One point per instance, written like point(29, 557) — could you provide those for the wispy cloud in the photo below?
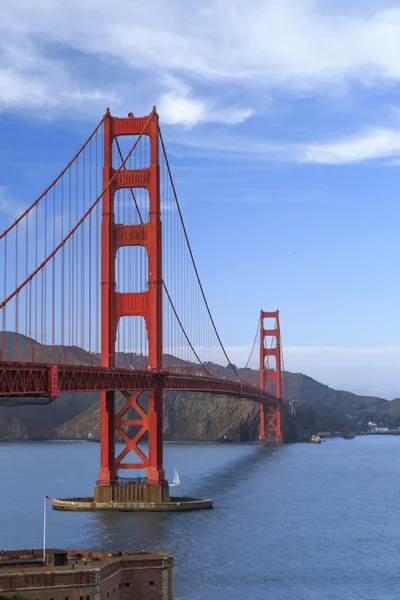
point(267, 196)
point(73, 56)
point(182, 109)
point(30, 79)
point(373, 143)
point(232, 146)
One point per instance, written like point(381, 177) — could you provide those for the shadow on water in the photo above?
point(238, 470)
point(153, 530)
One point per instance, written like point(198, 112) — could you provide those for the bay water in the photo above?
point(294, 522)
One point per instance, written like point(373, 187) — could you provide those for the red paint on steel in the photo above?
point(147, 304)
point(72, 231)
point(108, 320)
point(53, 381)
point(131, 443)
point(32, 379)
point(270, 415)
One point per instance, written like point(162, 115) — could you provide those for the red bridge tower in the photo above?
point(146, 304)
point(270, 378)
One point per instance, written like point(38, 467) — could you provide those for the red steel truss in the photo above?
point(41, 380)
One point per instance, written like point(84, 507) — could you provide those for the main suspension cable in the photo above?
point(81, 220)
point(164, 284)
point(184, 332)
point(254, 343)
point(192, 258)
point(46, 191)
point(285, 397)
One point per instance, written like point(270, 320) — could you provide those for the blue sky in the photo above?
point(282, 121)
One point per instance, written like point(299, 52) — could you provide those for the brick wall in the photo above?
point(121, 578)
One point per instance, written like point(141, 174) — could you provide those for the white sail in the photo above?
point(176, 481)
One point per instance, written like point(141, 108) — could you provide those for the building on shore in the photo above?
point(81, 575)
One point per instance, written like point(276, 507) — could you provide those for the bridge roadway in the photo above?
point(19, 379)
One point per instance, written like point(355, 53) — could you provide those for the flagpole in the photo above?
point(44, 530)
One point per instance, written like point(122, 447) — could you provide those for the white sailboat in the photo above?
point(176, 481)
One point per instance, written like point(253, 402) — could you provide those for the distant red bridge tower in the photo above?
point(270, 377)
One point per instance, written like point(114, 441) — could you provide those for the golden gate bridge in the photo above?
point(99, 272)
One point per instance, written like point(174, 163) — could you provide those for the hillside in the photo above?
point(191, 416)
point(40, 422)
point(203, 417)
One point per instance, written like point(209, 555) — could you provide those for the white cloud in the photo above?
point(81, 57)
point(373, 143)
point(180, 108)
point(310, 46)
point(282, 40)
point(31, 80)
point(175, 108)
point(366, 145)
point(240, 147)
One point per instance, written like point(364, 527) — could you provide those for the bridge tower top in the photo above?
point(270, 372)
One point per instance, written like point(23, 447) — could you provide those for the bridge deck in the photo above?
point(48, 380)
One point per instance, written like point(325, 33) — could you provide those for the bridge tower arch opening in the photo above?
point(270, 376)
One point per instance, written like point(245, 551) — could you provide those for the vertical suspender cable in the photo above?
point(17, 297)
point(53, 303)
